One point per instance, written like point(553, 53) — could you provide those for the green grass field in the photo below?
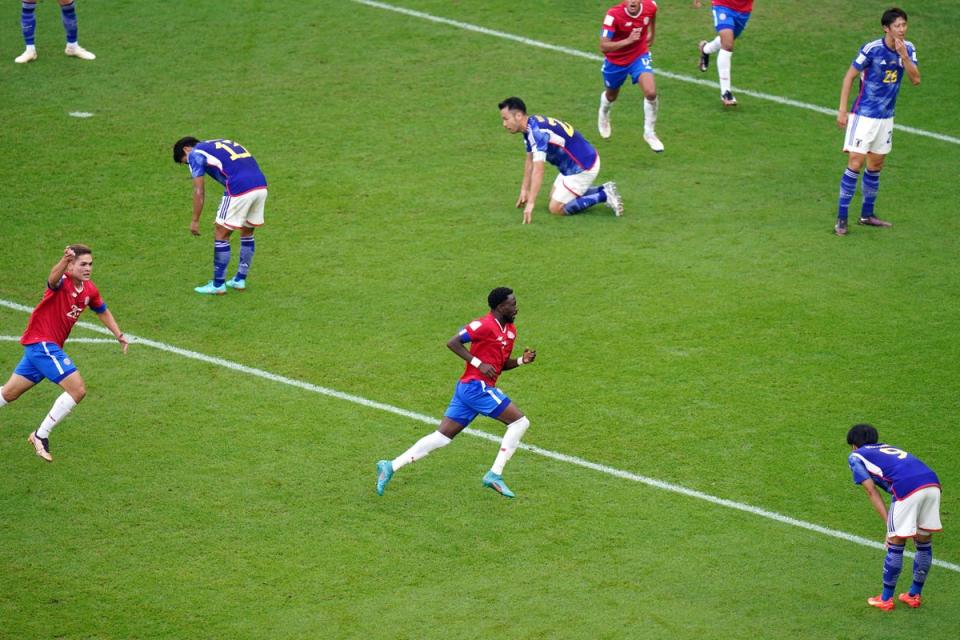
point(717, 337)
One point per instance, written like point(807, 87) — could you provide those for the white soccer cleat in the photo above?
point(77, 51)
point(603, 121)
point(613, 198)
point(27, 56)
point(654, 142)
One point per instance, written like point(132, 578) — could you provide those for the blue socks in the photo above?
point(28, 22)
point(921, 566)
point(247, 247)
point(871, 184)
point(892, 565)
point(221, 258)
point(594, 195)
point(68, 13)
point(848, 186)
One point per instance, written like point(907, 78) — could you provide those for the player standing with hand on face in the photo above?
point(880, 64)
point(69, 292)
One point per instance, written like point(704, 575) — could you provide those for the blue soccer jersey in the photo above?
point(894, 470)
point(881, 71)
point(228, 163)
point(559, 144)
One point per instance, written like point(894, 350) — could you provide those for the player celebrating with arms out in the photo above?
point(880, 65)
point(625, 41)
point(914, 508)
point(244, 194)
point(730, 18)
point(555, 141)
point(491, 338)
point(69, 292)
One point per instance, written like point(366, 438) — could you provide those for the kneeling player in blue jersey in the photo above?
point(245, 192)
point(555, 141)
point(491, 340)
point(880, 64)
point(914, 508)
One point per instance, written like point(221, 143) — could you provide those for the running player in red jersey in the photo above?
point(730, 18)
point(491, 338)
point(69, 292)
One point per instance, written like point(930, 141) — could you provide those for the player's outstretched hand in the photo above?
point(528, 214)
point(842, 119)
point(522, 200)
point(696, 4)
point(195, 228)
point(123, 342)
point(529, 355)
point(68, 254)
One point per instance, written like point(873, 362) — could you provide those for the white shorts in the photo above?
point(868, 135)
point(566, 188)
point(245, 210)
point(917, 514)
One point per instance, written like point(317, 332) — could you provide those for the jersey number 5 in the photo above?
point(236, 151)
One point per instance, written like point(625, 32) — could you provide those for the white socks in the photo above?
point(61, 407)
point(421, 448)
point(650, 108)
point(2, 401)
point(604, 103)
point(511, 440)
point(723, 69)
point(713, 46)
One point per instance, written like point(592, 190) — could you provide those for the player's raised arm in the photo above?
point(913, 72)
point(56, 273)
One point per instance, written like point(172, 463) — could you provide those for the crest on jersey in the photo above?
point(86, 301)
point(511, 335)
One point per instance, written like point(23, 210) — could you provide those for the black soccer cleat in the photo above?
point(704, 57)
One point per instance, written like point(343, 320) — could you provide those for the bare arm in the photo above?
point(875, 499)
point(198, 194)
point(527, 357)
point(107, 319)
point(536, 180)
point(525, 183)
point(912, 71)
point(845, 96)
point(457, 347)
point(60, 268)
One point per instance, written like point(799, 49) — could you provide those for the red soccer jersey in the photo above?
point(54, 317)
point(491, 343)
point(740, 6)
point(618, 24)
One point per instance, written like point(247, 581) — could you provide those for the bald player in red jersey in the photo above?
point(491, 338)
point(69, 292)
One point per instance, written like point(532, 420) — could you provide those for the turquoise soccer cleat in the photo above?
point(239, 285)
point(496, 483)
point(384, 473)
point(210, 290)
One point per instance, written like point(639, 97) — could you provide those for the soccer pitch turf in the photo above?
point(717, 338)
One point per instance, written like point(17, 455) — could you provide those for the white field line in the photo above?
point(546, 453)
point(598, 58)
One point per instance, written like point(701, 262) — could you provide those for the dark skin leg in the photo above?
point(451, 428)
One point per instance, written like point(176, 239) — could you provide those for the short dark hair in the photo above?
point(861, 434)
point(80, 250)
point(891, 15)
point(498, 296)
point(188, 141)
point(514, 104)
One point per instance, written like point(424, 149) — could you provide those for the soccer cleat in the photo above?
point(840, 228)
point(613, 198)
point(384, 473)
point(26, 56)
point(496, 483)
point(704, 57)
point(239, 285)
point(603, 120)
point(654, 142)
point(880, 603)
point(211, 290)
point(77, 51)
point(873, 221)
point(911, 601)
point(41, 446)
point(728, 100)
